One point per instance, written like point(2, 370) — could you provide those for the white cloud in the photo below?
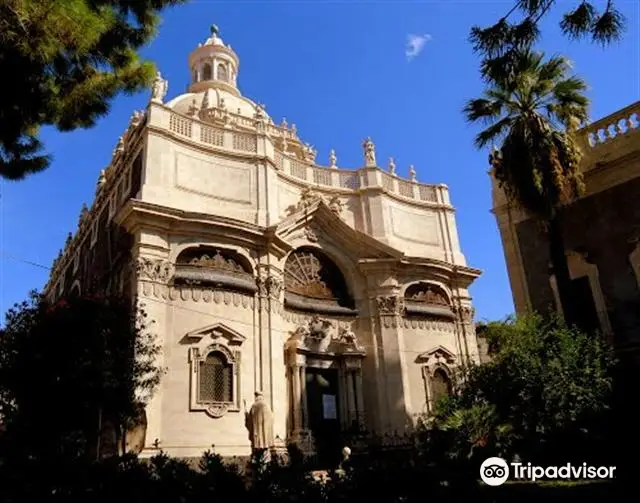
point(415, 45)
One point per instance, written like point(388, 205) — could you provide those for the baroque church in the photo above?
point(340, 294)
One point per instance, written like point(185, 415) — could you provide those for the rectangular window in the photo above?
point(216, 377)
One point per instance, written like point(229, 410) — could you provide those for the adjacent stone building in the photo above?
point(601, 232)
point(341, 294)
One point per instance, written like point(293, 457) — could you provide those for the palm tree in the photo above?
point(533, 111)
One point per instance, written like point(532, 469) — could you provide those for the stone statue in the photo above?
point(333, 159)
point(159, 89)
point(284, 124)
point(309, 152)
point(120, 145)
point(136, 118)
point(84, 213)
point(392, 166)
point(412, 173)
point(193, 108)
point(259, 422)
point(102, 179)
point(369, 153)
point(336, 205)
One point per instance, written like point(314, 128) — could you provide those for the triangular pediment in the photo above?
point(216, 332)
point(318, 220)
point(437, 354)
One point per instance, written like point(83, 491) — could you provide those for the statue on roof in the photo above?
point(369, 153)
point(159, 89)
point(392, 166)
point(412, 173)
point(333, 159)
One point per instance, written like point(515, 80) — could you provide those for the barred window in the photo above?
point(216, 379)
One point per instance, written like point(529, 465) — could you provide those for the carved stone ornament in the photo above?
point(392, 166)
point(309, 153)
point(193, 108)
point(310, 235)
point(154, 269)
point(389, 304)
point(336, 205)
point(319, 328)
point(216, 261)
point(273, 287)
point(102, 179)
point(217, 410)
point(84, 213)
point(412, 173)
point(428, 296)
point(465, 313)
point(346, 336)
point(159, 89)
point(120, 145)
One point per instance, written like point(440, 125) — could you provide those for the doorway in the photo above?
point(324, 414)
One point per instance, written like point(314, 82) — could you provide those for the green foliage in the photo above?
point(69, 369)
point(544, 395)
point(499, 44)
point(64, 60)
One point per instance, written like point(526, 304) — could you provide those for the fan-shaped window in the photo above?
point(214, 266)
point(207, 72)
point(428, 300)
point(440, 385)
point(215, 379)
point(223, 73)
point(314, 283)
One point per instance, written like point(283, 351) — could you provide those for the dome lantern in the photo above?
point(214, 64)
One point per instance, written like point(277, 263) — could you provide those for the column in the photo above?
point(303, 397)
point(294, 372)
point(359, 398)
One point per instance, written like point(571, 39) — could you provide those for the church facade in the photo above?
point(340, 294)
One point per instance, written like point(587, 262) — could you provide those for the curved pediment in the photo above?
point(314, 218)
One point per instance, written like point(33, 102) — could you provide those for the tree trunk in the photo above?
point(560, 266)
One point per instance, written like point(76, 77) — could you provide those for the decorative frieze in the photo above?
point(429, 324)
point(159, 270)
point(197, 294)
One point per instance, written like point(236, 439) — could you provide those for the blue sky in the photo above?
point(340, 72)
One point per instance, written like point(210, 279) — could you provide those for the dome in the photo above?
point(194, 102)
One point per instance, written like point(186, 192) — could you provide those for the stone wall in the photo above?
point(600, 225)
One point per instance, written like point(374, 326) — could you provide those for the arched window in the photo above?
point(207, 72)
point(216, 379)
point(314, 283)
point(223, 74)
point(195, 75)
point(440, 385)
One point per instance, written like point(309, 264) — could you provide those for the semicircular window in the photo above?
point(214, 267)
point(314, 283)
point(426, 299)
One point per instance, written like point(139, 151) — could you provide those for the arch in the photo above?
point(214, 257)
point(241, 253)
point(222, 74)
point(428, 299)
point(215, 378)
point(313, 282)
point(207, 71)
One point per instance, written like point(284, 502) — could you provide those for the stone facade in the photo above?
point(342, 295)
point(601, 232)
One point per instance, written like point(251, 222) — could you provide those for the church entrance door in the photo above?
point(324, 414)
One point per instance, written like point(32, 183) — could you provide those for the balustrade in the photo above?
point(620, 124)
point(247, 142)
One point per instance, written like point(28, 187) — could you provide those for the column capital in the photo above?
point(389, 305)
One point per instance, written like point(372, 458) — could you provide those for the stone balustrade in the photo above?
point(248, 142)
point(623, 123)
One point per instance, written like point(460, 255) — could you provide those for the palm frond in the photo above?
point(578, 23)
point(608, 27)
point(490, 41)
point(493, 132)
point(482, 109)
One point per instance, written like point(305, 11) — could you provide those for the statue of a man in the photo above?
point(369, 153)
point(259, 422)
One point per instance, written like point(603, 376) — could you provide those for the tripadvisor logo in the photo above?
point(495, 471)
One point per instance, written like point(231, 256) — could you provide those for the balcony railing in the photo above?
point(622, 123)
